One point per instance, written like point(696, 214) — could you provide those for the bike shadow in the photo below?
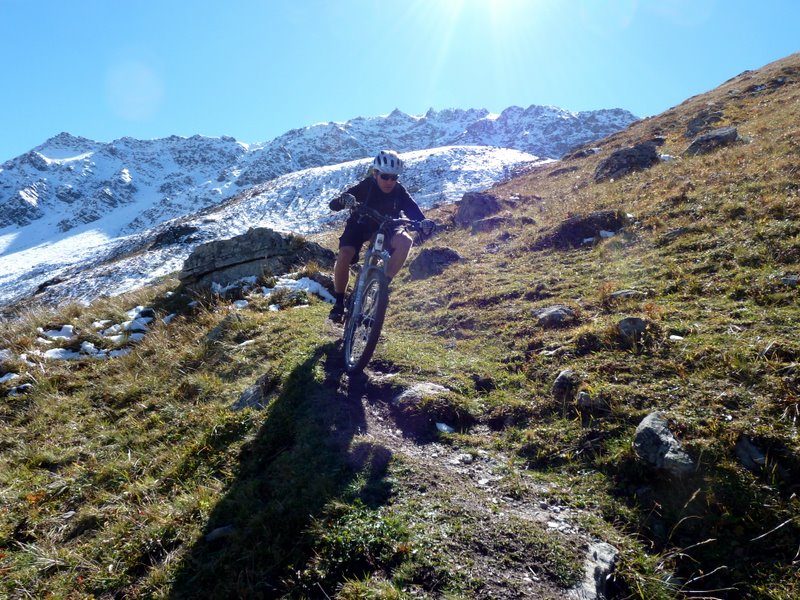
point(305, 458)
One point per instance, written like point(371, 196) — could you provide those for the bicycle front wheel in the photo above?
point(364, 324)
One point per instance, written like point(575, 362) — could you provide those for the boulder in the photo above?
point(474, 206)
point(255, 253)
point(655, 444)
point(573, 232)
point(174, 234)
point(708, 142)
point(432, 261)
point(627, 160)
point(702, 122)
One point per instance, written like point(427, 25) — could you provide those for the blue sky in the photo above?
point(253, 69)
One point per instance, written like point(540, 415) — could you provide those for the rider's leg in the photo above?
point(341, 274)
point(341, 270)
point(401, 245)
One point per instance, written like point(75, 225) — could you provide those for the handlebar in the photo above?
point(385, 221)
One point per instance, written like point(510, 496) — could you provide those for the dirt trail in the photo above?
point(496, 526)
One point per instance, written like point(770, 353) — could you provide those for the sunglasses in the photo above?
point(386, 177)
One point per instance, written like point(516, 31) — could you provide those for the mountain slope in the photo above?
point(72, 180)
point(72, 203)
point(93, 260)
point(455, 467)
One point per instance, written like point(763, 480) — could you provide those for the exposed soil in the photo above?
point(491, 523)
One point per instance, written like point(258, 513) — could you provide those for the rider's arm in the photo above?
point(342, 201)
point(357, 190)
point(409, 206)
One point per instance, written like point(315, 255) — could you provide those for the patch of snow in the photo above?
point(20, 389)
point(67, 332)
point(62, 354)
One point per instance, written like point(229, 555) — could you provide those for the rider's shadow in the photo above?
point(303, 460)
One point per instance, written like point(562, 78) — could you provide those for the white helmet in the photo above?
point(388, 162)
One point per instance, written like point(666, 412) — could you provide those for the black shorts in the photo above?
point(357, 232)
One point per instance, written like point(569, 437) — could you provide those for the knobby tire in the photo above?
point(362, 330)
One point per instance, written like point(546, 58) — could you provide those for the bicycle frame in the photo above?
point(369, 299)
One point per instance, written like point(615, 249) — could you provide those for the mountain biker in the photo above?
point(380, 191)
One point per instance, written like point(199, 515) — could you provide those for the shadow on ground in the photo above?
point(302, 461)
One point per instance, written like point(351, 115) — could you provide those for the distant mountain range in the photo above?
point(71, 202)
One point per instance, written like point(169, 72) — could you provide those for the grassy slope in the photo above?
point(111, 473)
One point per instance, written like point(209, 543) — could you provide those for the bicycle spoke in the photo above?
point(364, 329)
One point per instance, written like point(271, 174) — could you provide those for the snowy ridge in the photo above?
point(74, 209)
point(71, 181)
point(85, 263)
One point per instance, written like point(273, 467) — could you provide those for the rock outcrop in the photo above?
point(432, 261)
point(627, 160)
point(712, 140)
point(574, 231)
point(258, 252)
point(475, 206)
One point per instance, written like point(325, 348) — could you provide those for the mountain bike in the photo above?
point(366, 305)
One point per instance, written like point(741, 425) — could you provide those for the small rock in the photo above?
point(555, 316)
point(588, 404)
point(416, 393)
point(20, 389)
point(633, 331)
point(220, 533)
point(751, 457)
point(599, 565)
point(565, 388)
point(464, 458)
point(626, 160)
point(655, 444)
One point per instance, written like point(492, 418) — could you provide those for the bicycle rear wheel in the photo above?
point(363, 326)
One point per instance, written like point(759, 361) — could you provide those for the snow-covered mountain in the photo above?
point(92, 259)
point(72, 209)
point(72, 180)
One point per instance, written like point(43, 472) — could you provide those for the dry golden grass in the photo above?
point(112, 473)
